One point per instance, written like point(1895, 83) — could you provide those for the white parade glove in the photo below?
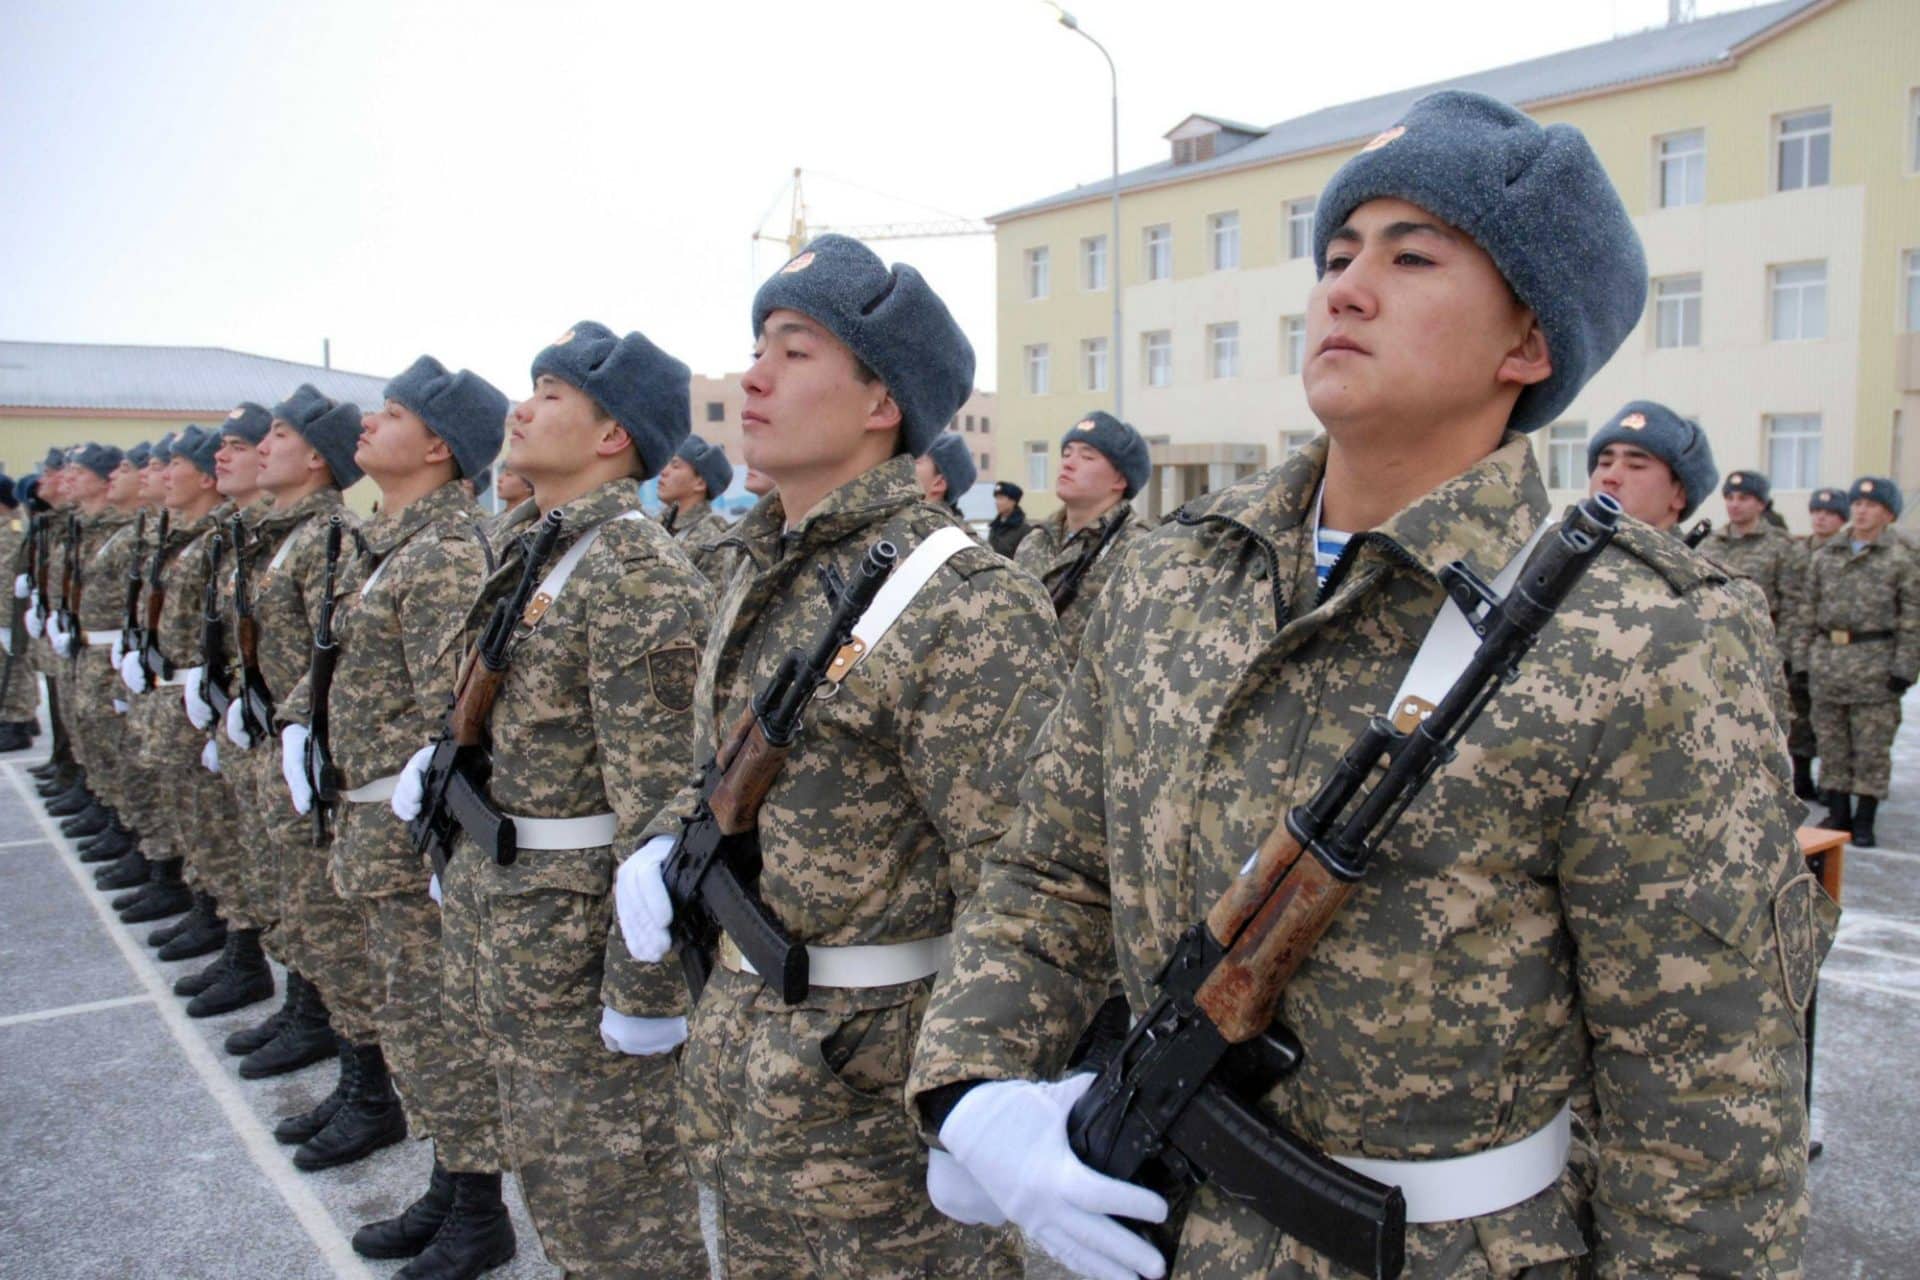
point(237, 726)
point(411, 790)
point(638, 1037)
point(955, 1193)
point(294, 740)
point(57, 632)
point(120, 706)
point(210, 756)
point(1011, 1137)
point(36, 621)
point(133, 673)
point(199, 710)
point(119, 651)
point(22, 586)
point(433, 887)
point(640, 896)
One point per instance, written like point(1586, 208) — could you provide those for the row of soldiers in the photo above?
point(1560, 1016)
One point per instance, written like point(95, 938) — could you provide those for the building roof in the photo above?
point(126, 379)
point(1644, 56)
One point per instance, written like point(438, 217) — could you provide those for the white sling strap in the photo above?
point(279, 556)
point(556, 580)
point(896, 594)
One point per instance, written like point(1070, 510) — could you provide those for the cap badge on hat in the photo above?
point(235, 413)
point(1866, 486)
point(1634, 421)
point(563, 339)
point(800, 263)
point(1383, 138)
point(1085, 424)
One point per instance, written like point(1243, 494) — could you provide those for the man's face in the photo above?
point(185, 484)
point(556, 431)
point(933, 485)
point(1412, 323)
point(394, 441)
point(1641, 483)
point(1869, 517)
point(806, 406)
point(1087, 475)
point(679, 482)
point(1003, 504)
point(123, 486)
point(236, 468)
point(510, 488)
point(1742, 507)
point(284, 459)
point(153, 484)
point(759, 483)
point(1827, 523)
point(87, 488)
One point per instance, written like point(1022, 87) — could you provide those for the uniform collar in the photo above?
point(866, 500)
point(679, 521)
point(386, 531)
point(319, 502)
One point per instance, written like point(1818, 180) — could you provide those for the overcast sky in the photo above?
point(469, 179)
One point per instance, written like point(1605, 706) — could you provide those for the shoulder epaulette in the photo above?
point(1683, 568)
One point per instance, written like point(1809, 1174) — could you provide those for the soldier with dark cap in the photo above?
point(589, 735)
point(1857, 638)
point(20, 700)
point(1009, 526)
point(1585, 901)
point(399, 652)
point(697, 473)
point(1750, 547)
point(1827, 512)
point(1103, 464)
point(1656, 464)
point(872, 833)
point(946, 470)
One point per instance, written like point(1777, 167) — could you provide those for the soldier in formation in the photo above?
point(19, 696)
point(1752, 547)
point(1009, 526)
point(697, 474)
point(1656, 464)
point(945, 471)
point(1827, 512)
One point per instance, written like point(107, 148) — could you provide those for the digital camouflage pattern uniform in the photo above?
point(1601, 891)
point(1859, 627)
point(1048, 553)
point(1767, 557)
point(595, 715)
point(95, 685)
point(400, 651)
point(255, 901)
point(1800, 739)
point(697, 530)
point(22, 701)
point(870, 835)
point(157, 718)
point(319, 935)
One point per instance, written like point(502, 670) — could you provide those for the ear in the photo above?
point(884, 413)
point(613, 439)
point(1528, 362)
point(437, 450)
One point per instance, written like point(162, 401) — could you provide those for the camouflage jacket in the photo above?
point(1765, 556)
point(1048, 553)
point(1601, 889)
point(95, 597)
point(1875, 589)
point(286, 598)
point(595, 716)
point(697, 531)
point(113, 543)
point(183, 577)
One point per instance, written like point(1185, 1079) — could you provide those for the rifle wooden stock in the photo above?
point(479, 687)
point(1268, 920)
point(749, 766)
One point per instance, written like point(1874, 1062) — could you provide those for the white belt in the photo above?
point(887, 965)
point(101, 637)
point(378, 789)
point(1482, 1183)
point(564, 833)
point(180, 675)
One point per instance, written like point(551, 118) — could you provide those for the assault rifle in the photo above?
point(213, 633)
point(158, 665)
point(71, 581)
point(43, 567)
point(714, 868)
point(16, 621)
point(130, 621)
point(322, 777)
point(1698, 534)
point(1067, 589)
point(256, 703)
point(1178, 1104)
point(454, 792)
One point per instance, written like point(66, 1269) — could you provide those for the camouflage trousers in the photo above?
point(1856, 745)
point(23, 691)
point(1800, 737)
point(92, 685)
point(443, 1073)
point(766, 1244)
point(258, 903)
point(592, 1145)
point(200, 804)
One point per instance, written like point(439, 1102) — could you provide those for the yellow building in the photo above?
point(1770, 158)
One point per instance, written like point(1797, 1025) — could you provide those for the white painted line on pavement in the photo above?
point(1854, 948)
point(1845, 980)
point(266, 1154)
point(91, 1006)
point(20, 844)
point(1855, 851)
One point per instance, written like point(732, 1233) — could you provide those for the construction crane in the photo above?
point(799, 232)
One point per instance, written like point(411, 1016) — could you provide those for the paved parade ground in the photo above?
point(130, 1148)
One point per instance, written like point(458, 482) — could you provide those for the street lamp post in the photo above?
point(1114, 361)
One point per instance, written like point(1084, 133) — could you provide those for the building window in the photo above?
point(984, 424)
point(1676, 311)
point(1223, 350)
point(1294, 441)
point(1158, 242)
point(986, 464)
point(1093, 262)
point(1039, 372)
point(1799, 294)
point(1039, 271)
point(1223, 233)
point(1913, 132)
point(716, 411)
point(1793, 450)
point(1036, 465)
point(1093, 363)
point(1157, 350)
point(1293, 342)
point(1567, 455)
point(1913, 291)
point(1683, 169)
point(969, 422)
point(1803, 150)
point(1300, 227)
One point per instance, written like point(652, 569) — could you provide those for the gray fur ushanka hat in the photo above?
point(1679, 442)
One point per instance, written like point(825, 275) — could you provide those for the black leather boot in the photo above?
point(13, 737)
point(476, 1237)
point(1803, 787)
point(306, 1037)
point(368, 1119)
point(1865, 809)
point(70, 801)
point(244, 979)
point(90, 821)
point(296, 1129)
point(194, 983)
point(131, 871)
point(201, 937)
point(1839, 811)
point(413, 1228)
point(168, 932)
point(65, 775)
point(166, 895)
point(46, 769)
point(115, 842)
point(247, 1039)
